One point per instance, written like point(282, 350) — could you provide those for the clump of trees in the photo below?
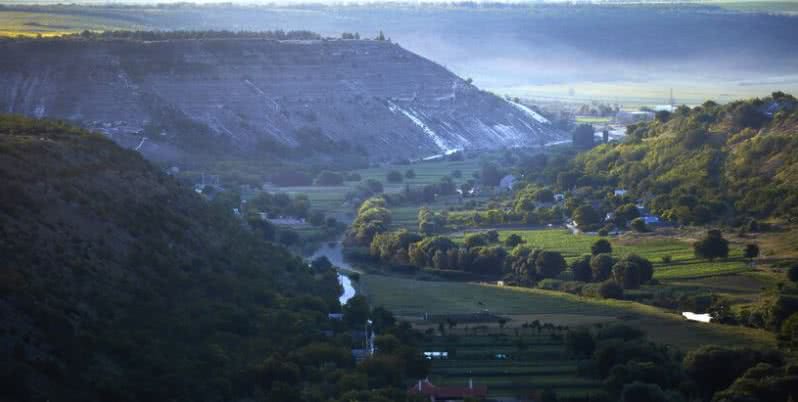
point(712, 246)
point(635, 369)
point(372, 218)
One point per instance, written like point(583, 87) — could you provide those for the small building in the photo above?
point(651, 219)
point(559, 197)
point(335, 316)
point(440, 394)
point(619, 192)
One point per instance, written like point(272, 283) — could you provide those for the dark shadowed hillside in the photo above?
point(170, 98)
point(117, 284)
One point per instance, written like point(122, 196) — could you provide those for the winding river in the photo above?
point(334, 252)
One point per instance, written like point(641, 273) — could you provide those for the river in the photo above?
point(334, 252)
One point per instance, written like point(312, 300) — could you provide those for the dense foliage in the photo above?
point(709, 163)
point(120, 284)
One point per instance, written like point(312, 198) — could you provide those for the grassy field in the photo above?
point(28, 23)
point(592, 120)
point(536, 362)
point(332, 198)
point(653, 247)
point(411, 299)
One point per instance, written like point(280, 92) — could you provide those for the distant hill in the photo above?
point(173, 96)
point(118, 284)
point(707, 163)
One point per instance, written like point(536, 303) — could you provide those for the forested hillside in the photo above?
point(709, 163)
point(118, 284)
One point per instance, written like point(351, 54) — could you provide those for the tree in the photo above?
point(645, 267)
point(393, 177)
point(410, 174)
point(751, 252)
point(586, 216)
point(601, 246)
point(513, 240)
point(712, 246)
point(288, 237)
point(567, 180)
point(321, 263)
point(356, 311)
point(713, 368)
point(316, 218)
point(580, 342)
point(582, 136)
point(641, 392)
point(627, 274)
point(475, 240)
point(549, 264)
point(639, 225)
point(792, 273)
point(490, 175)
point(626, 213)
point(601, 265)
point(610, 290)
point(581, 269)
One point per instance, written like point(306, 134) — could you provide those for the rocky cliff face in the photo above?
point(164, 98)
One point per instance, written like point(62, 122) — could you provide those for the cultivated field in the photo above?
point(412, 298)
point(530, 362)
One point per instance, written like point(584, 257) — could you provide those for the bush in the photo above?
point(610, 290)
point(410, 174)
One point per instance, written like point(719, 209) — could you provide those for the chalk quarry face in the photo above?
point(167, 98)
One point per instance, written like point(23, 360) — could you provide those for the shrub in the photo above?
point(410, 174)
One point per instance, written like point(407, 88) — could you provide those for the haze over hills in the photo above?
point(164, 97)
point(629, 53)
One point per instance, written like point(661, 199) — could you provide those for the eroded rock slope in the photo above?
point(165, 98)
